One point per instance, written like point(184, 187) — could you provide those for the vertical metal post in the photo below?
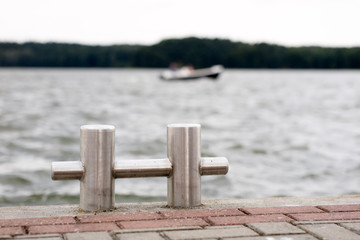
point(97, 190)
point(184, 185)
point(97, 170)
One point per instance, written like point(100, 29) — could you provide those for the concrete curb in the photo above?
point(74, 210)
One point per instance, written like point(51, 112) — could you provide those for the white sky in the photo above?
point(286, 22)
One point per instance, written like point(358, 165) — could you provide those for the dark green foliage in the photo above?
point(65, 55)
point(195, 51)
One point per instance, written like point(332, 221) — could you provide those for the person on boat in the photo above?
point(174, 66)
point(191, 68)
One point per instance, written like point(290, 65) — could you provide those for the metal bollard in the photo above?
point(97, 170)
point(184, 152)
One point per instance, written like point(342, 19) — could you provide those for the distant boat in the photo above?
point(188, 73)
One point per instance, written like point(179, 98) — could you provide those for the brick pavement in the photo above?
point(290, 222)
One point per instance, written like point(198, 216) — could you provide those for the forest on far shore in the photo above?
point(198, 52)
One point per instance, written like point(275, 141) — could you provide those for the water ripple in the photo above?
point(285, 133)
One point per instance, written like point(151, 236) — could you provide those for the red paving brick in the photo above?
point(119, 217)
point(179, 218)
point(238, 220)
point(12, 231)
point(202, 213)
point(284, 210)
point(326, 216)
point(341, 208)
point(163, 223)
point(91, 227)
point(36, 221)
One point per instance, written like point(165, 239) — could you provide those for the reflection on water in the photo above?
point(285, 133)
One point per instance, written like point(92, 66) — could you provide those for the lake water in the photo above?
point(285, 133)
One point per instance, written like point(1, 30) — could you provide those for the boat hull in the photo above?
point(212, 73)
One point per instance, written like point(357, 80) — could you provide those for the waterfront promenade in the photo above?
point(270, 218)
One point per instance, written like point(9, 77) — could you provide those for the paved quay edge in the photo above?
point(73, 210)
point(300, 218)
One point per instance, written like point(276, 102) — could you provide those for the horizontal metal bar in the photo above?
point(71, 170)
point(214, 166)
point(142, 168)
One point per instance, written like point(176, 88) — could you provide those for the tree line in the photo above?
point(199, 52)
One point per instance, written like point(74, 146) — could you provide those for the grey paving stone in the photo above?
point(40, 237)
point(330, 231)
point(88, 235)
point(155, 229)
point(211, 233)
point(279, 237)
point(324, 222)
point(140, 236)
point(275, 228)
point(224, 227)
point(352, 226)
point(5, 237)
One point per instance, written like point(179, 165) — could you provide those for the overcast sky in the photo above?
point(286, 22)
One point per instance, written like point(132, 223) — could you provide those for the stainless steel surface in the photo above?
point(184, 188)
point(71, 170)
point(98, 169)
point(214, 166)
point(142, 168)
point(97, 156)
